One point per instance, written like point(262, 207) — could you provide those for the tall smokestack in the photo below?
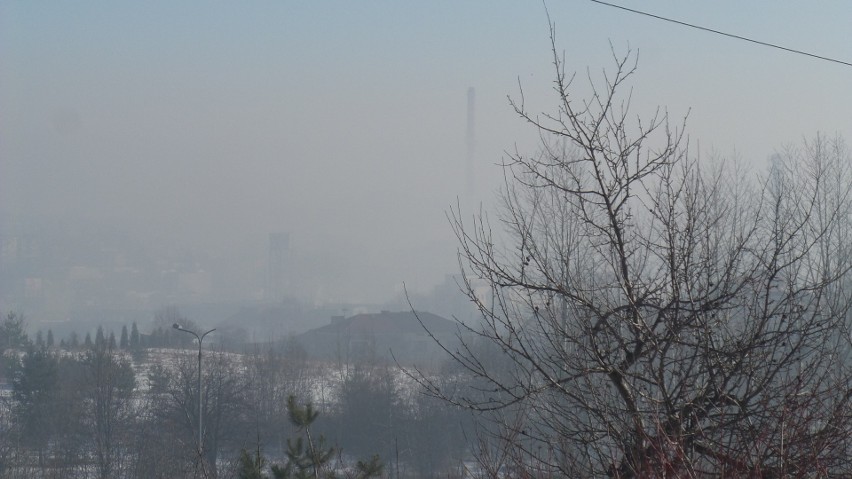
point(471, 140)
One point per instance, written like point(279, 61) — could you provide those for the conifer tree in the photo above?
point(100, 339)
point(308, 457)
point(251, 466)
point(35, 391)
point(13, 332)
point(134, 337)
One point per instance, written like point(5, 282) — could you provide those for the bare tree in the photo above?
point(654, 315)
point(174, 393)
point(272, 374)
point(108, 386)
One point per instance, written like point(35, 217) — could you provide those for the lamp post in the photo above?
point(200, 339)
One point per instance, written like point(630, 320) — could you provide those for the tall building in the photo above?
point(277, 266)
point(471, 140)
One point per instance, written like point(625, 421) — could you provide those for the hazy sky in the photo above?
point(211, 124)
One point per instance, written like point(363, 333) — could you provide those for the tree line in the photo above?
point(106, 412)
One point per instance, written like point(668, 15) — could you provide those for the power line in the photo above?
point(730, 35)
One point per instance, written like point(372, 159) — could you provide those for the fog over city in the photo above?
point(479, 239)
point(146, 132)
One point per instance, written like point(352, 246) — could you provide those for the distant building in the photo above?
point(197, 284)
point(383, 336)
point(276, 275)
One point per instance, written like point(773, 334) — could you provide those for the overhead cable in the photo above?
point(730, 35)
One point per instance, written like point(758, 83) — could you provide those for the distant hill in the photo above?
point(382, 336)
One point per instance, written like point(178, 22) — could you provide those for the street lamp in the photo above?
point(200, 339)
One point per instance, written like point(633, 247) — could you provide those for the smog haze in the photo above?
point(168, 140)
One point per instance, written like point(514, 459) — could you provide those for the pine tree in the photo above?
point(134, 337)
point(304, 462)
point(35, 390)
point(100, 340)
point(49, 338)
point(251, 467)
point(13, 332)
point(87, 343)
point(124, 342)
point(309, 457)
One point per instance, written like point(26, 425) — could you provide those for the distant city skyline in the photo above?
point(200, 127)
